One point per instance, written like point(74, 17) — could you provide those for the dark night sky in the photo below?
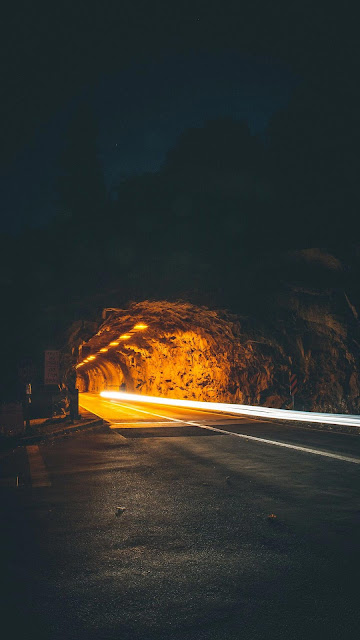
point(151, 70)
point(140, 113)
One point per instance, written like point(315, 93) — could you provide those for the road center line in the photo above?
point(276, 443)
point(38, 472)
point(136, 425)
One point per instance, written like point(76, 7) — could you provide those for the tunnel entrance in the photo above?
point(109, 374)
point(177, 350)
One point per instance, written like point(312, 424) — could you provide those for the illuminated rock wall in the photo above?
point(302, 321)
point(193, 352)
point(185, 352)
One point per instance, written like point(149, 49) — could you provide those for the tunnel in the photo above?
point(180, 350)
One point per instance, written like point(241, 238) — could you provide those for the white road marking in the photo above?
point(276, 443)
point(38, 472)
point(136, 425)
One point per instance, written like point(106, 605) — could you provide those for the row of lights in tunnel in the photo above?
point(114, 343)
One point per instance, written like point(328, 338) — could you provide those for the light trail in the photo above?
point(241, 409)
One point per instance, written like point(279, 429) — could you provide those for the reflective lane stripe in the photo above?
point(136, 425)
point(317, 452)
point(38, 472)
point(276, 443)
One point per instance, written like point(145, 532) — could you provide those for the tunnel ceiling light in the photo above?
point(113, 344)
point(104, 349)
point(140, 326)
point(79, 365)
point(125, 336)
point(91, 357)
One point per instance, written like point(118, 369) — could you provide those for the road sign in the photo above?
point(293, 384)
point(52, 367)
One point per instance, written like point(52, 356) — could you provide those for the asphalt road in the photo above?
point(192, 553)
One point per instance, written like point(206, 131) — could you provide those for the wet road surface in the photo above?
point(192, 553)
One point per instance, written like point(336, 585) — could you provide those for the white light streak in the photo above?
point(241, 409)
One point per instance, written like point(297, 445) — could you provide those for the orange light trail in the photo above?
point(241, 409)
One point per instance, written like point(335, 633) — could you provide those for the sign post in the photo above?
point(26, 375)
point(27, 404)
point(293, 387)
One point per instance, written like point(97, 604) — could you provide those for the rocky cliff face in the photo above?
point(180, 350)
point(315, 321)
point(325, 350)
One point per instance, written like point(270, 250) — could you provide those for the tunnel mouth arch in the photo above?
point(179, 350)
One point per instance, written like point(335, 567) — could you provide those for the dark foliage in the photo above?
point(208, 228)
point(81, 184)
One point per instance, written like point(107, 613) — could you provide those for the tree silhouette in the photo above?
point(314, 147)
point(220, 145)
point(81, 184)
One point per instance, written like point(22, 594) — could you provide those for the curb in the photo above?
point(61, 432)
